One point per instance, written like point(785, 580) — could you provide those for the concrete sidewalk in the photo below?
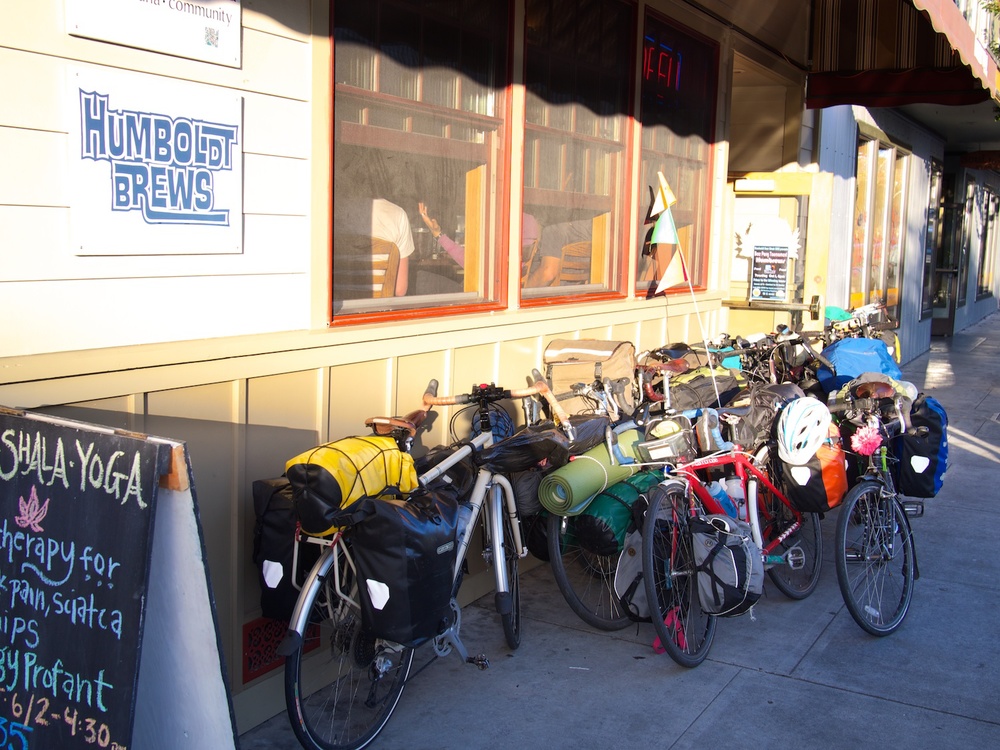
point(801, 674)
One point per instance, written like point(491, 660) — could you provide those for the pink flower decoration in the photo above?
point(866, 440)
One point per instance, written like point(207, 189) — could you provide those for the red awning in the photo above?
point(947, 19)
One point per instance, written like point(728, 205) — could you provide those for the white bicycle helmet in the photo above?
point(803, 425)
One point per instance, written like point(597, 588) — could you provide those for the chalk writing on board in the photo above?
point(118, 475)
point(75, 531)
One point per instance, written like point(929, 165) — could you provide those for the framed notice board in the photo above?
point(769, 273)
point(78, 514)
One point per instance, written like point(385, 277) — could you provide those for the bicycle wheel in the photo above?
point(875, 558)
point(501, 554)
point(342, 683)
point(585, 579)
point(511, 620)
point(802, 551)
point(684, 630)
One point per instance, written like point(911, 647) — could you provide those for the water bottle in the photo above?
point(734, 487)
point(718, 491)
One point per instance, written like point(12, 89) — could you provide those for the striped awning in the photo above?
point(888, 53)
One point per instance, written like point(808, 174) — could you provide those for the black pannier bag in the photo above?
point(457, 480)
point(274, 547)
point(405, 552)
point(923, 459)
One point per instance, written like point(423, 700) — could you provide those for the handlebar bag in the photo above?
point(329, 479)
point(728, 564)
point(405, 552)
point(821, 483)
point(571, 361)
point(923, 460)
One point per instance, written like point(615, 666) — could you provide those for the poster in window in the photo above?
point(769, 274)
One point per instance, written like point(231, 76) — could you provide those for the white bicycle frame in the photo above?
point(490, 488)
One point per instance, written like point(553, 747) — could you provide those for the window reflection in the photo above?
point(417, 111)
point(577, 82)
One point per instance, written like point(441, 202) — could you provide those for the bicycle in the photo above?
point(342, 682)
point(875, 550)
point(790, 541)
point(585, 577)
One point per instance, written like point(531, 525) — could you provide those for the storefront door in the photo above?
point(779, 262)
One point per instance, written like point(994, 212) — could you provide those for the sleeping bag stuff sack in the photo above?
point(405, 552)
point(852, 357)
point(569, 489)
point(602, 527)
point(327, 480)
point(923, 461)
point(821, 482)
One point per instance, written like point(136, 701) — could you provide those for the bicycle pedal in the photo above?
point(913, 508)
point(480, 661)
point(795, 558)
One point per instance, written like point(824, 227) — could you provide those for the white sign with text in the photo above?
point(207, 30)
point(155, 165)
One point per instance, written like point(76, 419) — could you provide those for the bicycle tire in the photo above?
point(684, 630)
point(875, 558)
point(775, 517)
point(342, 684)
point(505, 552)
point(586, 580)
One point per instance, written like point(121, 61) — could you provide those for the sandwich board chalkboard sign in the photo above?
point(77, 505)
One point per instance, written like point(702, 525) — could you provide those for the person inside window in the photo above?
point(384, 220)
point(530, 234)
point(544, 271)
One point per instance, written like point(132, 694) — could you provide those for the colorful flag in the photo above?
point(664, 230)
point(675, 273)
point(664, 197)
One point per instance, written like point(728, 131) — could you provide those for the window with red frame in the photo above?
point(578, 75)
point(418, 153)
point(677, 114)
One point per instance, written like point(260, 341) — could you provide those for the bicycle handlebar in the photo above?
point(490, 393)
point(790, 335)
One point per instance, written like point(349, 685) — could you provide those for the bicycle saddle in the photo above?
point(673, 366)
point(388, 425)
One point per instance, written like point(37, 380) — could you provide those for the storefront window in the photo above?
point(932, 238)
point(970, 233)
point(677, 112)
point(988, 248)
point(418, 153)
point(879, 224)
point(578, 75)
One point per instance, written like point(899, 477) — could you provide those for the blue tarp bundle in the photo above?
point(851, 357)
